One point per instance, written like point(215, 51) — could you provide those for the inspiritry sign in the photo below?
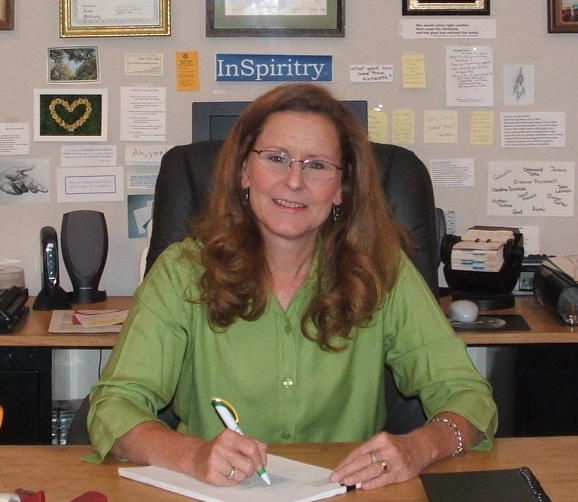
point(273, 68)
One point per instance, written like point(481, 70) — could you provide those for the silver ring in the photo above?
point(231, 474)
point(374, 458)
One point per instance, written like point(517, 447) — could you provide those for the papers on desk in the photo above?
point(87, 321)
point(291, 481)
point(565, 265)
point(480, 250)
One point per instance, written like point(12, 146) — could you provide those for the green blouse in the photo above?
point(285, 388)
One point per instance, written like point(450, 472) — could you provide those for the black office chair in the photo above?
point(182, 188)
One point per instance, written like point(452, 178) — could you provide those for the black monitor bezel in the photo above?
point(204, 111)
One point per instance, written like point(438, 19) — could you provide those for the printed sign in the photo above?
point(273, 68)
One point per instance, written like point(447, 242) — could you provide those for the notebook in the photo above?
point(291, 481)
point(505, 485)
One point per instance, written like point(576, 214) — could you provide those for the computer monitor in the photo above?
point(215, 119)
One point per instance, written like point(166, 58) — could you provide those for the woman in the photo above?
point(288, 299)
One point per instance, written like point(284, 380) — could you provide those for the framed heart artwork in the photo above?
point(67, 115)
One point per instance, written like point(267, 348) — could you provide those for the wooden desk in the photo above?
point(33, 330)
point(59, 471)
point(544, 327)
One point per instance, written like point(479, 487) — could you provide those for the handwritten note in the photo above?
point(482, 128)
point(377, 125)
point(533, 188)
point(440, 126)
point(413, 67)
point(371, 73)
point(469, 76)
point(403, 126)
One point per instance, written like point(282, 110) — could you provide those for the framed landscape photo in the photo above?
point(445, 7)
point(115, 18)
point(562, 16)
point(285, 18)
point(6, 14)
point(73, 64)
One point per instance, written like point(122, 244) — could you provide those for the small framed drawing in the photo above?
point(445, 7)
point(70, 115)
point(562, 16)
point(6, 14)
point(115, 18)
point(263, 18)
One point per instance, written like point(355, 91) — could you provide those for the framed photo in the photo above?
point(73, 64)
point(445, 7)
point(6, 14)
point(562, 16)
point(70, 115)
point(285, 18)
point(115, 18)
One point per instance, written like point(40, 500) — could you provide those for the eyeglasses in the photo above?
point(315, 169)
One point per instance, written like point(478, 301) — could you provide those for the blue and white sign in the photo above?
point(273, 68)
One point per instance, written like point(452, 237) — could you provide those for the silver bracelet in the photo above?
point(457, 433)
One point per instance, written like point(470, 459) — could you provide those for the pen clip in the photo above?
point(226, 404)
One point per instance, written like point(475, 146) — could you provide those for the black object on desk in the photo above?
point(489, 290)
point(504, 485)
point(12, 307)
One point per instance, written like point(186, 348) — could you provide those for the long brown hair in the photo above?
point(359, 251)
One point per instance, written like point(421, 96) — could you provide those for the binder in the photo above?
point(504, 485)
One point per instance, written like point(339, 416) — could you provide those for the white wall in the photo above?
point(372, 36)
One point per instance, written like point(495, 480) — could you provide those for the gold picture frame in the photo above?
point(6, 14)
point(125, 18)
point(445, 7)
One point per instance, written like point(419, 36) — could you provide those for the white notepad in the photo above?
point(291, 481)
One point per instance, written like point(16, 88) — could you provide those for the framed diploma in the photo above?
point(115, 18)
point(263, 18)
point(445, 7)
point(6, 14)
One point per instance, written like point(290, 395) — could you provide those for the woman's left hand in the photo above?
point(383, 460)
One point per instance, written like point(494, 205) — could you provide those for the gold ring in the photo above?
point(383, 466)
point(231, 474)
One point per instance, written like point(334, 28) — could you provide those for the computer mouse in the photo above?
point(463, 311)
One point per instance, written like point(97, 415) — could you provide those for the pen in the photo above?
point(225, 410)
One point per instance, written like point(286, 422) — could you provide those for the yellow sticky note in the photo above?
point(440, 126)
point(403, 126)
point(188, 71)
point(377, 126)
point(482, 127)
point(413, 68)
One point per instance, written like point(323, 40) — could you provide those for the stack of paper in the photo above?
point(480, 250)
point(291, 481)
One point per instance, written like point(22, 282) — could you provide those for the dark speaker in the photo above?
point(84, 239)
point(51, 296)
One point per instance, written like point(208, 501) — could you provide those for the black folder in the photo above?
point(505, 485)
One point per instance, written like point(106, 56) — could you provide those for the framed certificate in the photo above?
point(445, 7)
point(6, 14)
point(115, 18)
point(263, 18)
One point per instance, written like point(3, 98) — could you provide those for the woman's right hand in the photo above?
point(209, 461)
point(227, 459)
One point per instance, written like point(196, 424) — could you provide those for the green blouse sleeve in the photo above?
point(430, 361)
point(144, 367)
